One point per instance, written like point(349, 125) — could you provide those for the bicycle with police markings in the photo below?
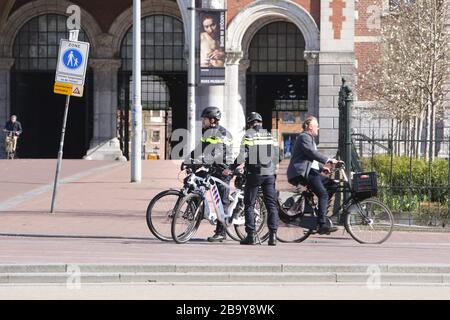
point(162, 207)
point(366, 219)
point(195, 206)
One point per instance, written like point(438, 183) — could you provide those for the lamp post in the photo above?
point(136, 144)
point(191, 82)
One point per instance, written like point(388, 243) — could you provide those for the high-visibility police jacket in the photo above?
point(259, 151)
point(215, 147)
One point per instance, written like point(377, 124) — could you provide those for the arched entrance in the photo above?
point(164, 85)
point(277, 80)
point(40, 111)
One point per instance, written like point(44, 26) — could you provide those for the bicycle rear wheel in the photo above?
point(260, 220)
point(369, 221)
point(160, 212)
point(187, 218)
point(288, 232)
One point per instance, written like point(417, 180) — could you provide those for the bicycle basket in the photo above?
point(365, 185)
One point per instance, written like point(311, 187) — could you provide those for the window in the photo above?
point(155, 93)
point(162, 45)
point(155, 113)
point(155, 136)
point(37, 43)
point(277, 47)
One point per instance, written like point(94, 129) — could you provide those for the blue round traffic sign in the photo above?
point(72, 58)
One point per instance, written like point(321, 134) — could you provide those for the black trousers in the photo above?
point(224, 195)
point(267, 184)
point(324, 188)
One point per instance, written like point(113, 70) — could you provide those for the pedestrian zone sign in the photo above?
point(72, 62)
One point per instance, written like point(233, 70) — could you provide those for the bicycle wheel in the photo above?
point(187, 218)
point(260, 220)
point(238, 218)
point(160, 212)
point(369, 221)
point(288, 232)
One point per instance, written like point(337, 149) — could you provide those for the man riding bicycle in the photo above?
point(15, 129)
point(306, 166)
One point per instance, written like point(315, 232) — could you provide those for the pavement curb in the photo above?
point(371, 275)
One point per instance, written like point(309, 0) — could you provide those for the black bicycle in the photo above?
point(366, 219)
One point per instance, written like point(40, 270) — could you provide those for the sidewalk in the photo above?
point(100, 219)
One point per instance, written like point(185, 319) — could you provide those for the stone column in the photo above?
point(104, 144)
point(209, 96)
point(5, 90)
point(235, 96)
point(312, 59)
point(336, 60)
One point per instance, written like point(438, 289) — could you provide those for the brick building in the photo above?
point(283, 59)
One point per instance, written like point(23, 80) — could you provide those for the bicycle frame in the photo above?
point(201, 185)
point(220, 214)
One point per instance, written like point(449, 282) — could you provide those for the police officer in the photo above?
point(259, 151)
point(215, 149)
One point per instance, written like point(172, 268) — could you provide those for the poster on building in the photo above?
point(212, 47)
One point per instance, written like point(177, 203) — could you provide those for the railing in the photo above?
point(414, 182)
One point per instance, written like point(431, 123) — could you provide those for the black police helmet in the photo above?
point(211, 113)
point(254, 116)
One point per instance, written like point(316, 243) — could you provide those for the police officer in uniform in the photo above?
point(215, 148)
point(259, 151)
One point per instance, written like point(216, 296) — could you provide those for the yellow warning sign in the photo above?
point(63, 88)
point(68, 89)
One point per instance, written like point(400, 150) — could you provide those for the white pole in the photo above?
point(191, 82)
point(136, 144)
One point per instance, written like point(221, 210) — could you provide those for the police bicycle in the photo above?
point(195, 206)
point(366, 219)
point(162, 207)
point(9, 144)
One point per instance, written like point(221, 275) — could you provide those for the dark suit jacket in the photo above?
point(302, 157)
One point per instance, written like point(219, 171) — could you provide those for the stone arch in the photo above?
point(124, 21)
point(248, 21)
point(40, 7)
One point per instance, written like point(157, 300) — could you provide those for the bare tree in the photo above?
point(407, 79)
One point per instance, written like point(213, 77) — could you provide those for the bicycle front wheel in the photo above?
point(160, 212)
point(370, 221)
point(187, 218)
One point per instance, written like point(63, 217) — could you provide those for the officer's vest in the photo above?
point(259, 145)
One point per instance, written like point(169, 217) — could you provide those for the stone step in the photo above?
point(232, 277)
point(242, 273)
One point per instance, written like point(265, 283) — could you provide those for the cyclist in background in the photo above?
point(15, 128)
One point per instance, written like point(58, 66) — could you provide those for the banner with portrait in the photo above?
point(212, 46)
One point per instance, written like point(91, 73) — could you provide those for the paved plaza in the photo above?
point(100, 220)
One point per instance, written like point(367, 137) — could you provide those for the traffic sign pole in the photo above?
point(70, 75)
point(60, 154)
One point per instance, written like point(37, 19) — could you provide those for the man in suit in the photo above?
point(306, 166)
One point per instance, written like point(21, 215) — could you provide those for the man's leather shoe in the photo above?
point(325, 228)
point(217, 238)
point(272, 237)
point(249, 239)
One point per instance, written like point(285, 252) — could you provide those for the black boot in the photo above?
point(272, 237)
point(325, 226)
point(250, 239)
point(217, 237)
